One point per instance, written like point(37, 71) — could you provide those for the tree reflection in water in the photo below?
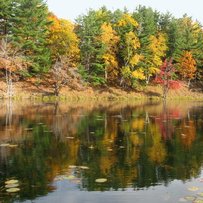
point(132, 145)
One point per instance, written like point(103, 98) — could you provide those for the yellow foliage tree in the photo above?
point(158, 50)
point(126, 20)
point(131, 57)
point(62, 40)
point(110, 41)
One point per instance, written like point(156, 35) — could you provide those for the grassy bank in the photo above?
point(26, 90)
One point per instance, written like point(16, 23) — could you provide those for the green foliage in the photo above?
point(31, 37)
point(88, 31)
point(111, 48)
point(25, 22)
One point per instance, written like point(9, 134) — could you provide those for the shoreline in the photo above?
point(27, 91)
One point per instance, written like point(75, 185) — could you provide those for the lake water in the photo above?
point(141, 152)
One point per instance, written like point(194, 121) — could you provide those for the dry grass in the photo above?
point(30, 90)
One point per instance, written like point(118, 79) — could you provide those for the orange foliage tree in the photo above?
point(187, 66)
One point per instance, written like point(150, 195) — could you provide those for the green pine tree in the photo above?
point(29, 32)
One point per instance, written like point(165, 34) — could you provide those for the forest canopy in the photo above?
point(104, 47)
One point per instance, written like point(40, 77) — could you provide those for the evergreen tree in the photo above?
point(5, 16)
point(29, 32)
point(92, 50)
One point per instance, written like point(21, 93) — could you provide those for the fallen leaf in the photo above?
point(12, 190)
point(193, 188)
point(101, 180)
point(11, 182)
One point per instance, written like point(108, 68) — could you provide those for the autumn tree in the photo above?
point(11, 64)
point(92, 50)
point(165, 78)
point(62, 40)
point(110, 39)
point(129, 45)
point(152, 41)
point(187, 66)
point(158, 49)
point(63, 44)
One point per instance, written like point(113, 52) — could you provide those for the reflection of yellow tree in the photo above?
point(188, 133)
point(138, 124)
point(106, 163)
point(157, 152)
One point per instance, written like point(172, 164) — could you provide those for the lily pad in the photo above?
point(101, 180)
point(10, 190)
point(4, 145)
point(190, 198)
point(193, 188)
point(71, 138)
point(29, 129)
point(200, 194)
point(12, 185)
point(198, 201)
point(84, 167)
point(11, 182)
point(72, 166)
point(13, 145)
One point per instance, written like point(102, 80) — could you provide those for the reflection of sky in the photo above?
point(175, 191)
point(71, 9)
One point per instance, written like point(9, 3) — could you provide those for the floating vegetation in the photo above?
point(12, 185)
point(193, 188)
point(12, 145)
point(190, 198)
point(200, 194)
point(28, 129)
point(101, 180)
point(71, 138)
point(72, 166)
point(8, 182)
point(91, 147)
point(84, 167)
point(121, 147)
point(12, 190)
point(8, 145)
point(198, 201)
point(4, 145)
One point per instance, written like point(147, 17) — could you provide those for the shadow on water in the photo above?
point(58, 147)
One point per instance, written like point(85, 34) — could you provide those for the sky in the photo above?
point(71, 9)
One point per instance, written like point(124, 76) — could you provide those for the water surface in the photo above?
point(147, 152)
